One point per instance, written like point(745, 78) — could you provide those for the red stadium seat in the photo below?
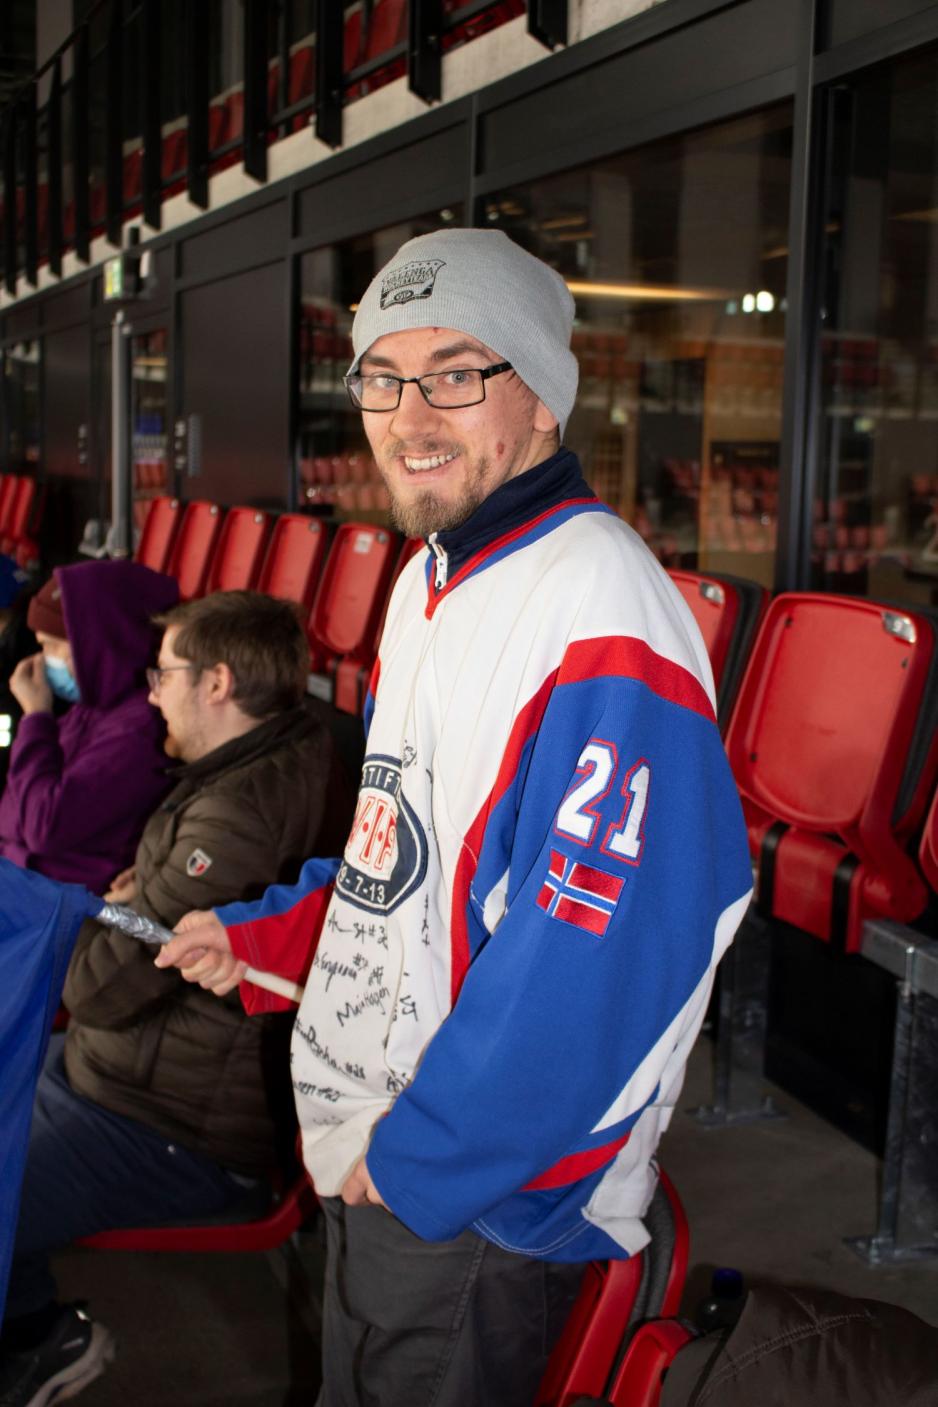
point(7, 486)
point(286, 1214)
point(350, 602)
point(614, 1296)
point(832, 743)
point(19, 513)
point(159, 532)
point(294, 559)
point(191, 555)
point(236, 562)
point(639, 1381)
point(352, 676)
point(728, 611)
point(928, 849)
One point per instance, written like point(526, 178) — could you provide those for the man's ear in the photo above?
point(222, 683)
point(545, 421)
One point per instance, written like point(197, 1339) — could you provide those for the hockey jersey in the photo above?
point(547, 861)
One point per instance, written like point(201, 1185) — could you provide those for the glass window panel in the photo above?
point(337, 471)
point(21, 373)
point(676, 254)
point(875, 528)
point(149, 411)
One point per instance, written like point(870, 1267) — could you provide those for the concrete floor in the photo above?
point(774, 1200)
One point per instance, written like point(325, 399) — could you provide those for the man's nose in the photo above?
point(414, 414)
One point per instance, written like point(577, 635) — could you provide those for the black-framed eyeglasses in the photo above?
point(155, 676)
point(447, 390)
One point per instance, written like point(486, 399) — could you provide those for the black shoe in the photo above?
point(74, 1352)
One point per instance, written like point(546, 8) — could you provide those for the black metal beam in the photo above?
point(114, 128)
point(254, 137)
point(9, 199)
point(547, 21)
point(798, 450)
point(197, 60)
point(54, 172)
point(80, 144)
point(425, 49)
point(150, 75)
point(31, 185)
point(329, 35)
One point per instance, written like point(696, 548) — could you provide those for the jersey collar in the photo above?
point(516, 513)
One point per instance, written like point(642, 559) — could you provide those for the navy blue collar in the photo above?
point(511, 506)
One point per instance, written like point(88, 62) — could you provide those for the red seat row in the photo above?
point(21, 504)
point(343, 586)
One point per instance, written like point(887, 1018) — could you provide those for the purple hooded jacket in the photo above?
point(81, 787)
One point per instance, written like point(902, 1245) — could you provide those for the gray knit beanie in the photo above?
point(479, 282)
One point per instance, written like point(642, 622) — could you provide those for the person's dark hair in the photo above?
point(260, 639)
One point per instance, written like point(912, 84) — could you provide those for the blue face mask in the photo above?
point(62, 681)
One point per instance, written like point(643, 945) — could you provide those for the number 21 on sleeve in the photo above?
point(579, 817)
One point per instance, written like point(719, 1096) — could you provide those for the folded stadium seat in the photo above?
point(18, 513)
point(928, 849)
point(615, 1296)
point(728, 610)
point(237, 559)
point(277, 1224)
point(295, 558)
point(191, 555)
point(159, 533)
point(351, 676)
point(7, 490)
point(651, 1350)
point(349, 606)
point(301, 82)
point(833, 746)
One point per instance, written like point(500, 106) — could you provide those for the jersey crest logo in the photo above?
point(413, 280)
point(578, 894)
point(197, 863)
point(386, 856)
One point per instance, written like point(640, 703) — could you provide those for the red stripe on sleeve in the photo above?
point(575, 1166)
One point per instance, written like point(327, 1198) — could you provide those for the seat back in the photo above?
point(236, 561)
point(833, 747)
point(20, 508)
point(294, 560)
point(828, 709)
point(653, 1347)
point(191, 555)
point(728, 611)
point(349, 603)
point(614, 1296)
point(159, 531)
point(7, 487)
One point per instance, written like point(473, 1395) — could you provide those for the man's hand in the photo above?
point(123, 887)
point(30, 687)
point(358, 1190)
point(203, 953)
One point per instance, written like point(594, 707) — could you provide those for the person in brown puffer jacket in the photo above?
point(166, 1104)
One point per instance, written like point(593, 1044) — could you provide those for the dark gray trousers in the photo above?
point(411, 1323)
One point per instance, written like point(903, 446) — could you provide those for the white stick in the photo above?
point(280, 986)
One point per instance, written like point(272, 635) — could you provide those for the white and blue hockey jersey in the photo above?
point(547, 860)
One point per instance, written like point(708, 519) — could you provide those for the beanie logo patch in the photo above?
point(413, 280)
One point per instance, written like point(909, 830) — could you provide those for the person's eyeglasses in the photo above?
point(155, 676)
point(447, 390)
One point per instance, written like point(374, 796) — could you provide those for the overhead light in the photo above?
point(749, 303)
point(563, 222)
point(648, 292)
point(765, 301)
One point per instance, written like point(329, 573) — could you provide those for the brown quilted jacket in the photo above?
point(155, 1048)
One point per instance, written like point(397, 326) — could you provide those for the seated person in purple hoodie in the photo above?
point(81, 785)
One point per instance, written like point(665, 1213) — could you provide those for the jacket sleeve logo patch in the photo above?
point(578, 894)
point(197, 863)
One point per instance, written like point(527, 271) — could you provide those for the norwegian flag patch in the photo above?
point(578, 894)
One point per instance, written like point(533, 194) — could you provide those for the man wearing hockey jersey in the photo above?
point(546, 863)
